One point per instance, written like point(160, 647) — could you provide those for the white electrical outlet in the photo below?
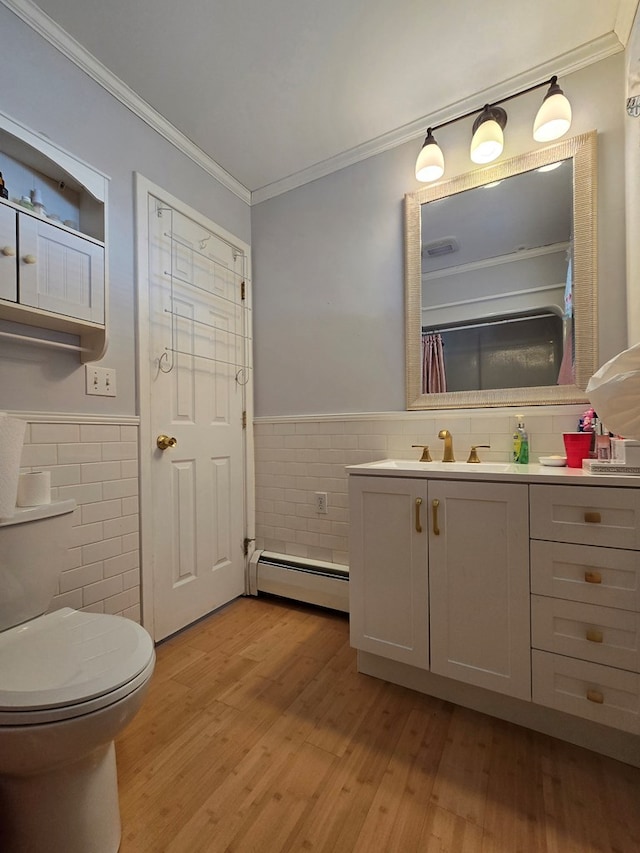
point(101, 381)
point(321, 502)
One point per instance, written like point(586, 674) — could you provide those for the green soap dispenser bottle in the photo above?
point(521, 443)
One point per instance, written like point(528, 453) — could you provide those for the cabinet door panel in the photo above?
point(60, 272)
point(479, 585)
point(388, 581)
point(8, 261)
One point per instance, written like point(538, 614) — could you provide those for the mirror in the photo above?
point(487, 272)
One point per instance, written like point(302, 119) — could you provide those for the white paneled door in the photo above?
point(198, 353)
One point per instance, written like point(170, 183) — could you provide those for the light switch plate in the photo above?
point(101, 381)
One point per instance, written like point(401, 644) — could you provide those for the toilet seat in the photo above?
point(69, 663)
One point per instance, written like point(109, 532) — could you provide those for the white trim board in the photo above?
point(568, 63)
point(74, 418)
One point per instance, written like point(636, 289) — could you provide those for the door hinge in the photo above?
point(244, 420)
point(243, 291)
point(245, 545)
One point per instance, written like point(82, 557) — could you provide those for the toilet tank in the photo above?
point(34, 544)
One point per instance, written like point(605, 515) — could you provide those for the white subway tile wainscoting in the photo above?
point(299, 456)
point(97, 465)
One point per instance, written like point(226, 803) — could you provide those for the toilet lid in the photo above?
point(69, 657)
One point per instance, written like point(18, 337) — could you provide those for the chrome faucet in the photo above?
point(448, 445)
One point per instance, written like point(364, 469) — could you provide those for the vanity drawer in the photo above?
point(599, 693)
point(586, 631)
point(607, 576)
point(586, 515)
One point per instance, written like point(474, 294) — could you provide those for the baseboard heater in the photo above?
point(311, 581)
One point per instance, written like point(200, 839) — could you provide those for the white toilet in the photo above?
point(69, 683)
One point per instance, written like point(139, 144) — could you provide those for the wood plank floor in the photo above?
point(258, 736)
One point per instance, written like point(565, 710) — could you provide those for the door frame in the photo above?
point(144, 188)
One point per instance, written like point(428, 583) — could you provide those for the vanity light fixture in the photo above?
point(488, 139)
point(552, 121)
point(430, 162)
point(554, 116)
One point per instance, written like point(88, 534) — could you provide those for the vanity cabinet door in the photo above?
point(8, 254)
point(388, 569)
point(479, 584)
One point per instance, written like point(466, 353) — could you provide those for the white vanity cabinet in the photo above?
point(388, 574)
point(515, 590)
point(479, 584)
point(439, 577)
point(585, 603)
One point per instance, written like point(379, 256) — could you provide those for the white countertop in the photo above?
point(493, 471)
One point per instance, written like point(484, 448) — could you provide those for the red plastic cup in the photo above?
point(577, 446)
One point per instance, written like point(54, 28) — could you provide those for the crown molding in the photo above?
point(73, 50)
point(563, 65)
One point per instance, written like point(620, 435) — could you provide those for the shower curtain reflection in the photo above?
point(434, 379)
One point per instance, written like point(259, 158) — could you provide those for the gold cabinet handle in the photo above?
point(595, 696)
point(434, 511)
point(418, 523)
point(9, 251)
point(164, 442)
point(592, 577)
point(29, 259)
point(594, 635)
point(592, 517)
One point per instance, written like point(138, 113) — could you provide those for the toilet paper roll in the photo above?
point(34, 489)
point(11, 439)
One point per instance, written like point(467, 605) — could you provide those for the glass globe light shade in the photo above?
point(430, 162)
point(487, 142)
point(554, 117)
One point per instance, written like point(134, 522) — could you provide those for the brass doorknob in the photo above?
point(164, 442)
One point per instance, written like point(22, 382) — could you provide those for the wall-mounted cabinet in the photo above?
point(53, 260)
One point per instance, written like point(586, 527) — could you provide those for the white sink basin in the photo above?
point(411, 465)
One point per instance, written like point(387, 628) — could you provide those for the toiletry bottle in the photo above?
point(521, 443)
point(4, 192)
point(603, 443)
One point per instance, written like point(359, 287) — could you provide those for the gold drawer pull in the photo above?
point(594, 635)
point(418, 524)
point(434, 509)
point(592, 517)
point(592, 577)
point(595, 696)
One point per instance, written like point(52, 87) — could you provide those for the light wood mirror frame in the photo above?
point(583, 151)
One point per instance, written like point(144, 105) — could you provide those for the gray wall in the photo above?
point(328, 261)
point(49, 94)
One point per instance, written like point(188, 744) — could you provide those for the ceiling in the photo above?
point(278, 91)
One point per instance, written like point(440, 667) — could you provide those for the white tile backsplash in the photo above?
point(94, 464)
point(297, 457)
